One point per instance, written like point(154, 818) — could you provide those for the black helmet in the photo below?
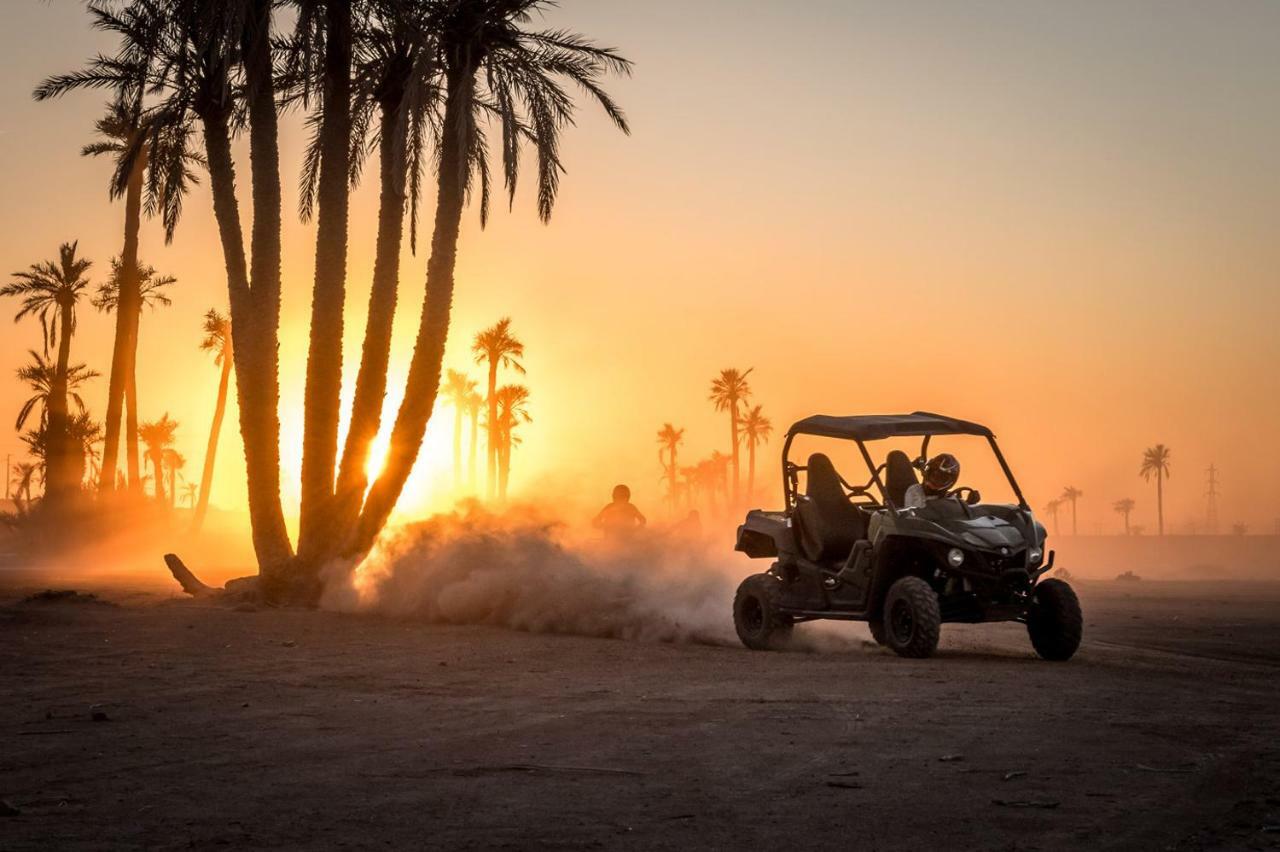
point(941, 473)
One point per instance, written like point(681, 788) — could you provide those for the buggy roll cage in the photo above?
point(862, 429)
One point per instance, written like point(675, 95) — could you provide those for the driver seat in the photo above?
point(827, 524)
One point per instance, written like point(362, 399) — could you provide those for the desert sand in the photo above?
point(141, 719)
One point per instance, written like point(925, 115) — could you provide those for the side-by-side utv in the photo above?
point(856, 552)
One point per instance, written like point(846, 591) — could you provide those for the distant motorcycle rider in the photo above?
point(940, 475)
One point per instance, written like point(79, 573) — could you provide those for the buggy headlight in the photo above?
point(1034, 556)
point(955, 557)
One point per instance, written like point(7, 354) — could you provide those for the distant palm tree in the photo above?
point(217, 339)
point(1051, 508)
point(496, 346)
point(669, 439)
point(149, 290)
point(718, 473)
point(1124, 506)
point(457, 390)
point(41, 376)
point(690, 485)
point(50, 291)
point(475, 403)
point(174, 462)
point(756, 428)
point(1155, 462)
point(727, 390)
point(1071, 494)
point(24, 474)
point(513, 401)
point(157, 436)
point(190, 493)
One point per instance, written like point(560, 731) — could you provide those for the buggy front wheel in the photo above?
point(1054, 620)
point(912, 620)
point(755, 613)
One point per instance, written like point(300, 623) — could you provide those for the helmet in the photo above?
point(621, 493)
point(941, 473)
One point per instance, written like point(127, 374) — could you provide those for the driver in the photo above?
point(940, 476)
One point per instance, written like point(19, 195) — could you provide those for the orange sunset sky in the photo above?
point(1058, 219)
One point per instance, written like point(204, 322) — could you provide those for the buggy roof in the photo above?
point(874, 427)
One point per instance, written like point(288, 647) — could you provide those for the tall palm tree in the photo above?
point(1124, 506)
point(1071, 494)
point(496, 346)
point(157, 436)
point(669, 440)
point(756, 428)
point(727, 390)
point(41, 377)
point(457, 390)
point(217, 340)
point(79, 449)
point(144, 288)
point(51, 291)
point(123, 135)
point(475, 403)
point(1155, 462)
point(1051, 508)
point(513, 401)
point(495, 69)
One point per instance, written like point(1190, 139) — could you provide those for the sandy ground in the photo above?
point(166, 723)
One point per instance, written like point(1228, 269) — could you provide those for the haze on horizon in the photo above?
point(1058, 220)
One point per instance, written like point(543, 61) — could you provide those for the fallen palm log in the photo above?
point(237, 590)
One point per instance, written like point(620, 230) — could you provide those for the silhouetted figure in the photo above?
point(940, 476)
point(620, 518)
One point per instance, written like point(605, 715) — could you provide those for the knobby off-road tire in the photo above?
point(755, 613)
point(1054, 621)
point(877, 630)
point(912, 621)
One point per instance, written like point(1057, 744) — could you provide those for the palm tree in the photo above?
point(24, 473)
point(727, 390)
point(475, 402)
point(41, 376)
point(1155, 462)
point(513, 401)
point(190, 493)
point(1051, 508)
point(174, 462)
point(1124, 506)
point(669, 439)
point(217, 339)
point(1071, 494)
point(50, 291)
point(756, 428)
point(78, 444)
point(496, 346)
point(457, 390)
point(157, 437)
point(148, 290)
point(493, 67)
point(123, 134)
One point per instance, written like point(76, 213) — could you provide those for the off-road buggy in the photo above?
point(854, 552)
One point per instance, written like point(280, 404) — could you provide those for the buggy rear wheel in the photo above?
point(911, 620)
point(1054, 620)
point(755, 613)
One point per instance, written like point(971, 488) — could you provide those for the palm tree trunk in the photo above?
point(133, 461)
point(1160, 500)
point(122, 352)
point(457, 446)
point(751, 466)
point(1074, 530)
point(423, 383)
point(371, 383)
point(733, 424)
point(58, 470)
point(254, 319)
point(157, 467)
point(471, 447)
point(504, 467)
point(1126, 523)
point(211, 451)
point(322, 397)
point(492, 426)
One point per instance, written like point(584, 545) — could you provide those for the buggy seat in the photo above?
point(827, 524)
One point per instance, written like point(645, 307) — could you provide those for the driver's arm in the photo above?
point(914, 498)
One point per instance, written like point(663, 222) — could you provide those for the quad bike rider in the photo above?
point(902, 555)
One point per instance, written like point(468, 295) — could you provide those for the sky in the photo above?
point(1056, 219)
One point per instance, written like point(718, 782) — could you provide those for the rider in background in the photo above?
point(940, 476)
point(620, 518)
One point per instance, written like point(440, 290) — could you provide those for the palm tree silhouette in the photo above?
point(756, 428)
point(727, 390)
point(1071, 494)
point(41, 377)
point(190, 493)
point(149, 290)
point(496, 346)
point(475, 403)
point(174, 462)
point(1155, 462)
point(50, 291)
point(157, 437)
point(1051, 508)
point(1124, 506)
point(24, 474)
point(513, 401)
point(669, 439)
point(457, 390)
point(79, 452)
point(217, 339)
